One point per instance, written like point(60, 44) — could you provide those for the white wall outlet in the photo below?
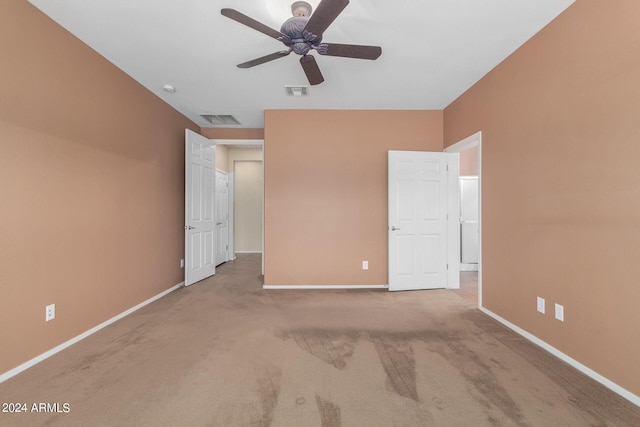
point(182, 263)
point(50, 312)
point(540, 305)
point(365, 265)
point(560, 312)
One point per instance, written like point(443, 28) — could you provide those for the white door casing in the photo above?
point(222, 217)
point(423, 215)
point(200, 207)
point(231, 253)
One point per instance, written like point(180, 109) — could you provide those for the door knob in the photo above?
point(188, 227)
point(393, 228)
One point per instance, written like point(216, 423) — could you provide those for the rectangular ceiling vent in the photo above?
point(297, 90)
point(220, 119)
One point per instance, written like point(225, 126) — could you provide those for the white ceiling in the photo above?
point(432, 50)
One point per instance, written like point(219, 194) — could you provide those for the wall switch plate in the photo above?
point(560, 312)
point(50, 312)
point(182, 263)
point(540, 305)
point(365, 265)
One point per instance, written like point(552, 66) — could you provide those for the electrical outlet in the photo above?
point(560, 312)
point(540, 302)
point(49, 312)
point(182, 263)
point(365, 265)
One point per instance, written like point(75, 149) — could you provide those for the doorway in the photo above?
point(232, 153)
point(470, 150)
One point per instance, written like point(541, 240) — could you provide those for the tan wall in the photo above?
point(561, 184)
point(247, 211)
point(244, 154)
point(248, 206)
point(233, 133)
point(326, 191)
point(91, 187)
point(469, 162)
point(222, 158)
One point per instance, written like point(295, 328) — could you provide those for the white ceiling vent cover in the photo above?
point(220, 119)
point(297, 90)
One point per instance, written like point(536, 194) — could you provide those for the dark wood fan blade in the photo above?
point(263, 59)
point(353, 51)
point(251, 23)
point(311, 69)
point(326, 12)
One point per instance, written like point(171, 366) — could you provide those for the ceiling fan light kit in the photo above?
point(302, 34)
point(301, 8)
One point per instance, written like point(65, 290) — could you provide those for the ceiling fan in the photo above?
point(303, 33)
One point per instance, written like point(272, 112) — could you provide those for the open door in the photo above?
point(423, 220)
point(222, 217)
point(200, 208)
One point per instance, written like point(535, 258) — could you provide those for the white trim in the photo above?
point(248, 252)
point(26, 365)
point(255, 142)
point(232, 201)
point(468, 267)
point(464, 144)
point(325, 287)
point(263, 199)
point(579, 366)
point(453, 221)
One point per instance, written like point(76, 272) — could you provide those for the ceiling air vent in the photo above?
point(220, 119)
point(297, 90)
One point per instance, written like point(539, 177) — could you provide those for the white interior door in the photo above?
point(423, 212)
point(200, 207)
point(222, 217)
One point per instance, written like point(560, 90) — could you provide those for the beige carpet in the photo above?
point(224, 352)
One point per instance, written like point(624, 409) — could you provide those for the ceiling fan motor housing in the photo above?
point(301, 43)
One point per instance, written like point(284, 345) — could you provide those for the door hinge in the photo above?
point(447, 266)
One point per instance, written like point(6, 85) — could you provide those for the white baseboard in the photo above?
point(325, 287)
point(468, 267)
point(579, 366)
point(248, 252)
point(18, 369)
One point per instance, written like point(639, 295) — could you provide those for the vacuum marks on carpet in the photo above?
point(329, 412)
point(334, 347)
point(398, 363)
point(268, 379)
point(395, 354)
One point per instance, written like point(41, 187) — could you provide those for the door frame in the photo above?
point(462, 145)
point(248, 143)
